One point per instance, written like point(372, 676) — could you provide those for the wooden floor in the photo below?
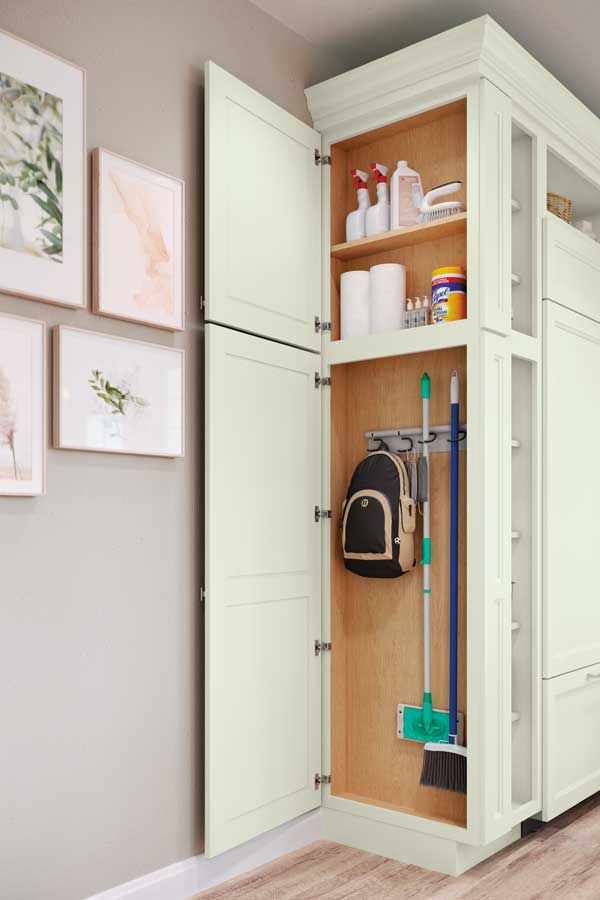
point(562, 860)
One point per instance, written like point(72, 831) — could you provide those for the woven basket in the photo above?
point(560, 206)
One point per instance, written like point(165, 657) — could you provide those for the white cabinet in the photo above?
point(263, 573)
point(263, 215)
point(286, 427)
point(572, 489)
point(571, 739)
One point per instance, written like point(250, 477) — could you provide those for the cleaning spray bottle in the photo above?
point(378, 216)
point(355, 221)
point(407, 196)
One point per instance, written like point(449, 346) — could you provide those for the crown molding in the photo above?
point(448, 63)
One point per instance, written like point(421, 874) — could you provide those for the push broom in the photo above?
point(445, 764)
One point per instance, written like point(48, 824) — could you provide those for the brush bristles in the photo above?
point(445, 769)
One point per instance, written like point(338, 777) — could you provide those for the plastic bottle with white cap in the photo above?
point(355, 221)
point(378, 216)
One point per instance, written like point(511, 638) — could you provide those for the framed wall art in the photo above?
point(22, 407)
point(117, 395)
point(42, 175)
point(138, 215)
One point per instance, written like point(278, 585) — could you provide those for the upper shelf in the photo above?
point(403, 237)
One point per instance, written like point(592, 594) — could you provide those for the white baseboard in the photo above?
point(182, 880)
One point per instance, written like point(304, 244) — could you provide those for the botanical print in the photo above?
point(21, 406)
point(8, 429)
point(119, 399)
point(31, 170)
point(117, 394)
point(138, 214)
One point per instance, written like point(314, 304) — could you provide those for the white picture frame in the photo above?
point(22, 406)
point(43, 221)
point(138, 272)
point(117, 395)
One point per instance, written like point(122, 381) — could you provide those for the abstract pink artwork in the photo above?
point(138, 243)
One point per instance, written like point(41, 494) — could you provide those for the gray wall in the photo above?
point(100, 625)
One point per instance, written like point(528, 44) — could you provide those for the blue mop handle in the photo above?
point(454, 435)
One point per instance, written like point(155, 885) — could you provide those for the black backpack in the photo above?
point(379, 518)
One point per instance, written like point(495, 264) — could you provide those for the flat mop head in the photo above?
point(445, 766)
point(412, 724)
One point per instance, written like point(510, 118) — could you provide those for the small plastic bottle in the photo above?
point(416, 315)
point(425, 319)
point(408, 314)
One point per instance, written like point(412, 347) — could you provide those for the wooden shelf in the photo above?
point(397, 343)
point(405, 237)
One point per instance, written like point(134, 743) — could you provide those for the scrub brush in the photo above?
point(431, 212)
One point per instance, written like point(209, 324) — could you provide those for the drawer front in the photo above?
point(571, 739)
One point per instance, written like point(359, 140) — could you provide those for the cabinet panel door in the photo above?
point(571, 765)
point(571, 491)
point(263, 601)
point(263, 215)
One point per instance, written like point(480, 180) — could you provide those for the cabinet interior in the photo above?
point(435, 145)
point(376, 624)
point(564, 179)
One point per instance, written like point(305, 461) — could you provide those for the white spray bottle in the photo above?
point(355, 221)
point(378, 216)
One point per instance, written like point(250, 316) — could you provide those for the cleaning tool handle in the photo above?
point(442, 190)
point(454, 437)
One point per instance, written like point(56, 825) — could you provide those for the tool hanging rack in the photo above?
point(404, 440)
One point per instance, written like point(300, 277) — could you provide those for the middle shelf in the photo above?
point(403, 237)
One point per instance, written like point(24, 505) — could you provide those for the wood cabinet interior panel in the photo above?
point(377, 623)
point(434, 143)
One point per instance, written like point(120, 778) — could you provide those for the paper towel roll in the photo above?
point(387, 297)
point(355, 304)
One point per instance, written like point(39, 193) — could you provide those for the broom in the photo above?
point(445, 765)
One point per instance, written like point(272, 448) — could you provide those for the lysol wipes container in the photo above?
point(448, 294)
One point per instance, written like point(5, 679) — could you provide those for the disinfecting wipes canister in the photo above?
point(448, 294)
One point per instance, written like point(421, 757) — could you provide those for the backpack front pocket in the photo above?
point(367, 526)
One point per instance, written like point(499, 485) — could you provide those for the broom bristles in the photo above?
point(445, 766)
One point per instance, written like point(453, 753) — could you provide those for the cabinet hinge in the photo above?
point(321, 326)
point(202, 303)
point(322, 514)
point(202, 595)
point(322, 647)
point(322, 160)
point(321, 382)
point(321, 779)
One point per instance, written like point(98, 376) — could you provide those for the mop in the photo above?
point(445, 764)
point(423, 723)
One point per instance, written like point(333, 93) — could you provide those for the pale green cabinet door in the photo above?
point(263, 591)
point(263, 215)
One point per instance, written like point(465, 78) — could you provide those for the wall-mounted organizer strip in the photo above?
point(406, 440)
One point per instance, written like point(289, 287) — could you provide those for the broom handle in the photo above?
point(453, 680)
point(427, 704)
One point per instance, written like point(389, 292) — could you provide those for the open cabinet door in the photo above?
point(263, 215)
point(263, 591)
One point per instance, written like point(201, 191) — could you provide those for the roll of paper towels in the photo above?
point(387, 297)
point(355, 304)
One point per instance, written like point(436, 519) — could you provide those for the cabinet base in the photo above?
point(407, 846)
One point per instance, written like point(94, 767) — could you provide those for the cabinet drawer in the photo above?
point(571, 739)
